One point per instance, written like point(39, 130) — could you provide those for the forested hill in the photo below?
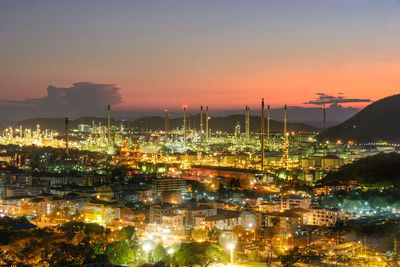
point(378, 170)
point(378, 121)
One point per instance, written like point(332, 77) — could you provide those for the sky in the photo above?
point(156, 55)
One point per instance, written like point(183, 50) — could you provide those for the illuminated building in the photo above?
point(323, 217)
point(289, 221)
point(127, 156)
point(101, 214)
point(170, 190)
point(46, 204)
point(251, 220)
point(198, 211)
point(157, 212)
point(268, 207)
point(224, 220)
point(293, 201)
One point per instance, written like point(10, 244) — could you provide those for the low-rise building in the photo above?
point(251, 219)
point(340, 185)
point(47, 204)
point(199, 211)
point(294, 201)
point(288, 221)
point(323, 217)
point(224, 220)
point(17, 191)
point(269, 207)
point(100, 213)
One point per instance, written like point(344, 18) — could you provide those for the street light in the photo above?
point(147, 247)
point(231, 247)
point(171, 252)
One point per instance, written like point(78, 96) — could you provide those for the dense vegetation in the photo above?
point(380, 170)
point(77, 243)
point(371, 200)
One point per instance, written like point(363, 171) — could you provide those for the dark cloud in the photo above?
point(81, 99)
point(330, 99)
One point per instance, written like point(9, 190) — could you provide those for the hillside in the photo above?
point(379, 121)
point(226, 123)
point(378, 170)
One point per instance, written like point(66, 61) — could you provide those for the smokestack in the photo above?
point(201, 123)
point(284, 123)
point(324, 119)
point(262, 134)
point(108, 123)
point(166, 122)
point(190, 122)
point(184, 122)
point(66, 136)
point(268, 119)
point(207, 118)
point(247, 124)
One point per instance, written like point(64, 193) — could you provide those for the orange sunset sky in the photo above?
point(224, 54)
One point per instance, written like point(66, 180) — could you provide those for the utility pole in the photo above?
point(337, 238)
point(365, 244)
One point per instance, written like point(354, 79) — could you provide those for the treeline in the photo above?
point(380, 170)
point(371, 200)
point(78, 243)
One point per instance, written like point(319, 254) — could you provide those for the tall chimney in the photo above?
point(190, 121)
point(324, 119)
point(108, 123)
point(184, 122)
point(247, 124)
point(268, 121)
point(262, 134)
point(66, 136)
point(201, 123)
point(166, 122)
point(207, 124)
point(284, 123)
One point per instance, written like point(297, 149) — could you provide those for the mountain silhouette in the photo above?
point(379, 121)
point(156, 123)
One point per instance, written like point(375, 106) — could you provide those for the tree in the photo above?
point(119, 253)
point(159, 253)
point(312, 257)
point(214, 234)
point(308, 256)
point(202, 254)
point(291, 257)
point(275, 220)
point(128, 234)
